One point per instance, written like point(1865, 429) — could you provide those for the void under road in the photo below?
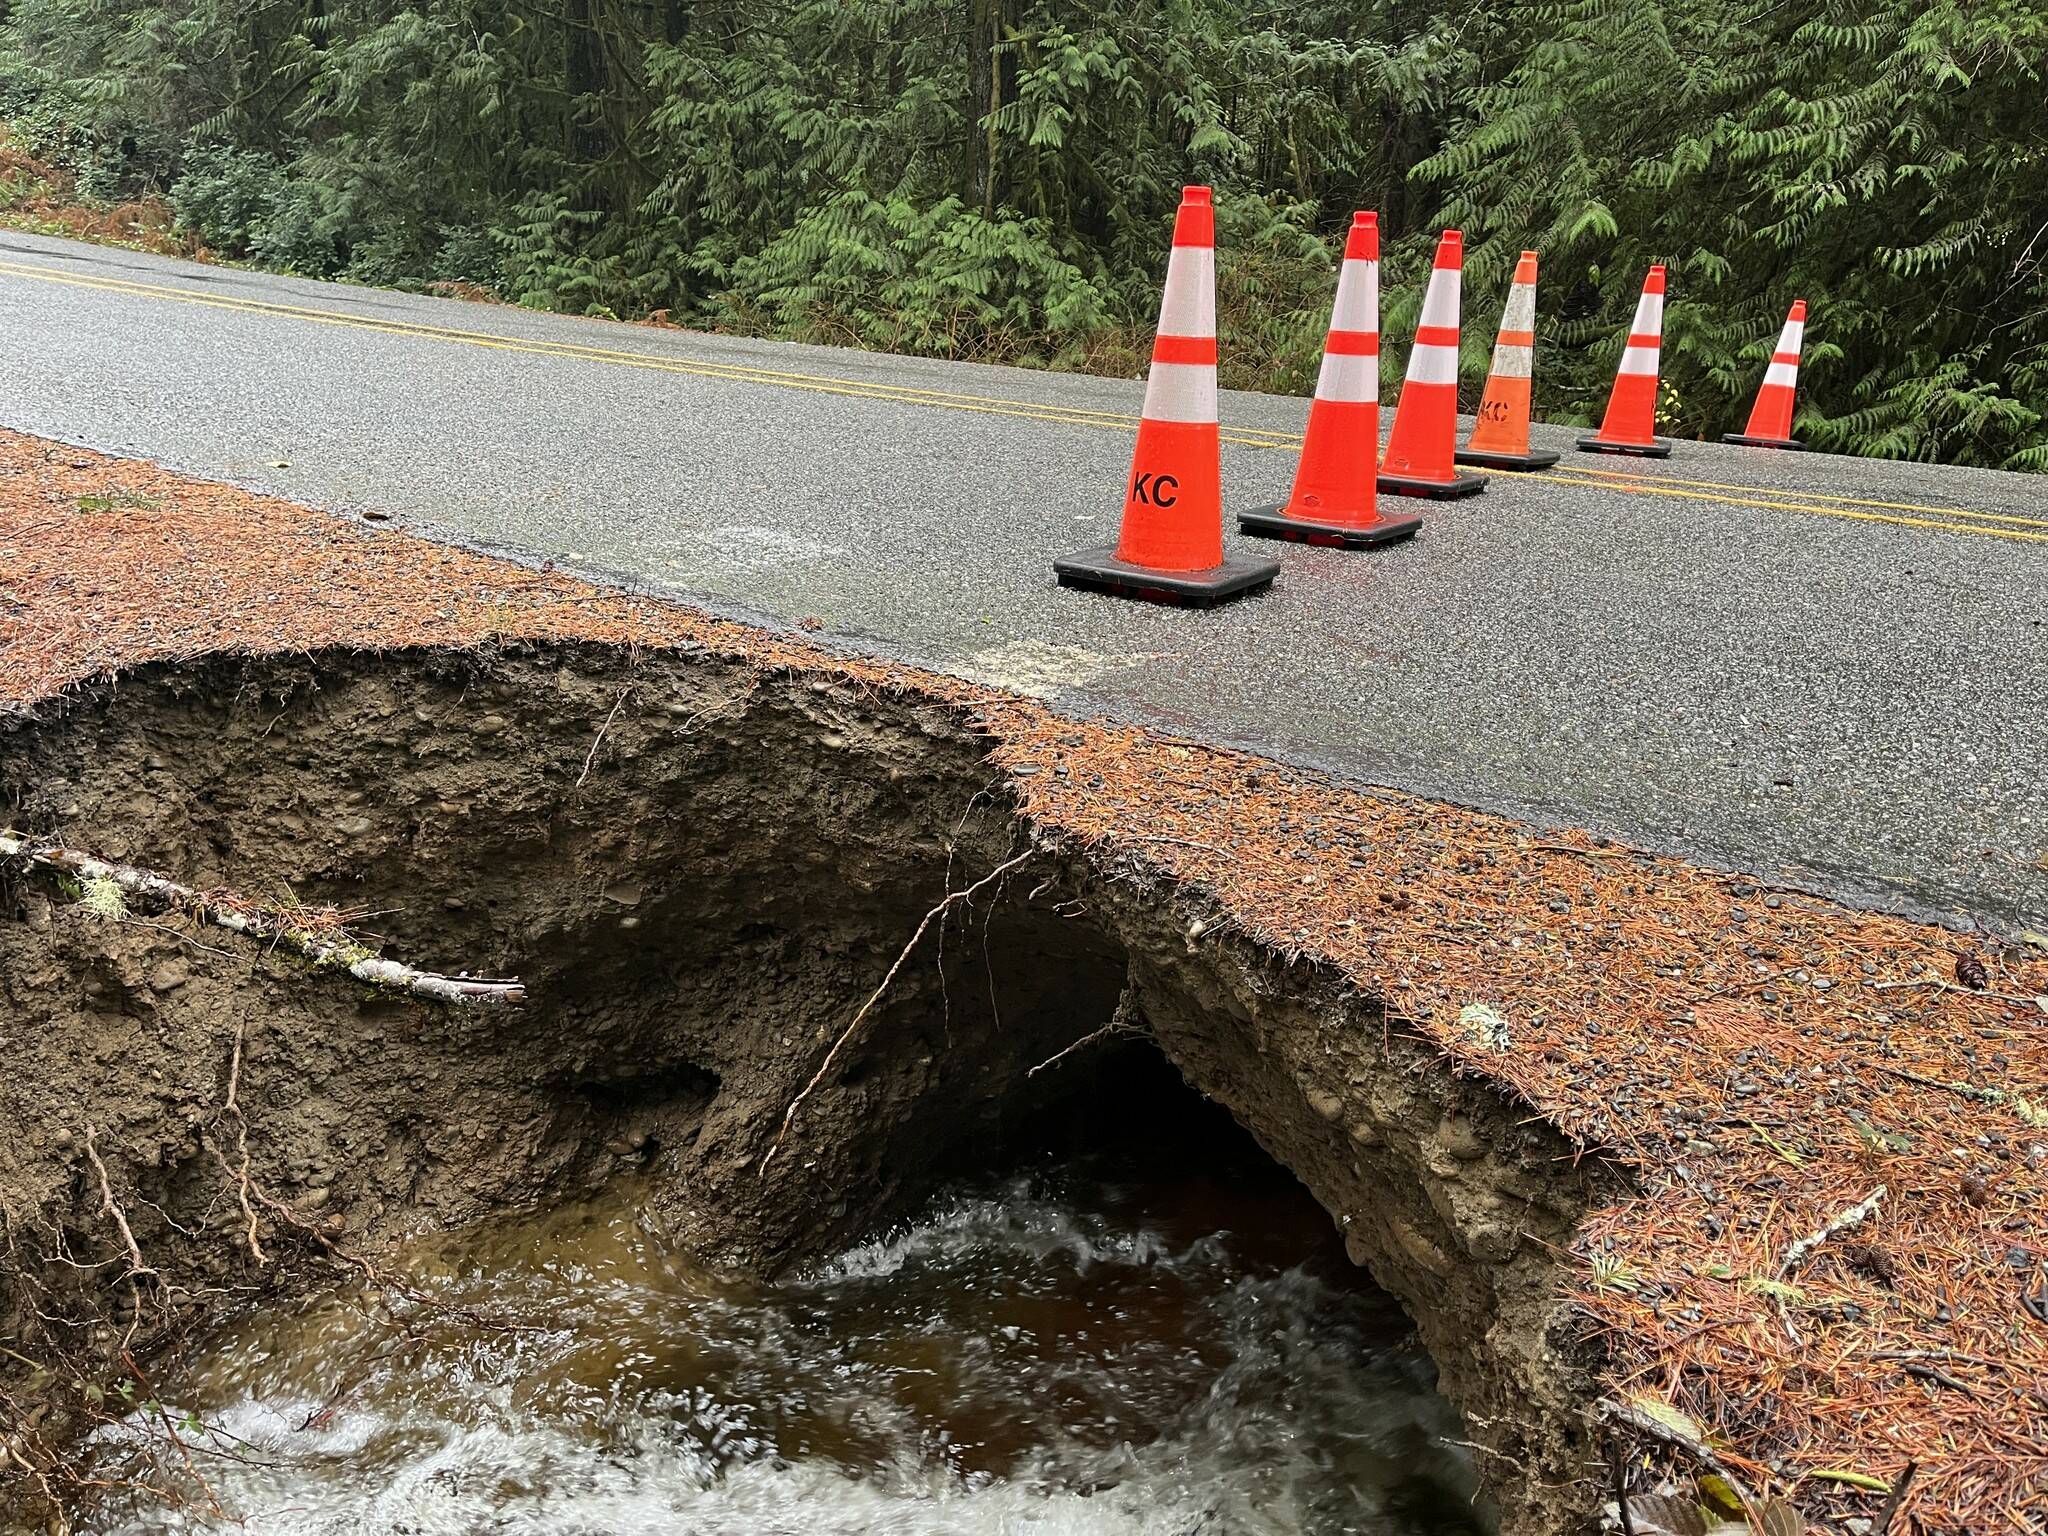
point(1825, 671)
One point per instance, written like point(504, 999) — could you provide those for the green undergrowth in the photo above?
point(994, 179)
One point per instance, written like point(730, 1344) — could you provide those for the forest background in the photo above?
point(994, 179)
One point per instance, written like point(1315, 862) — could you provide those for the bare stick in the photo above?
point(270, 927)
point(825, 1066)
point(1883, 1522)
point(1981, 1095)
point(1620, 1464)
point(590, 757)
point(1836, 1225)
point(1178, 842)
point(111, 1207)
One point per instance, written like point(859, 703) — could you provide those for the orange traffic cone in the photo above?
point(1770, 420)
point(1334, 502)
point(1631, 422)
point(1170, 549)
point(1500, 435)
point(1421, 450)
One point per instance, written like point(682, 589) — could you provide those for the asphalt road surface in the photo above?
point(1827, 671)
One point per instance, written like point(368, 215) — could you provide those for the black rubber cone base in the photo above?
point(1487, 459)
point(1099, 570)
point(1660, 448)
point(1433, 490)
point(1274, 523)
point(1744, 440)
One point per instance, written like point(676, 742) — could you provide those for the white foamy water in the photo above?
point(1059, 1357)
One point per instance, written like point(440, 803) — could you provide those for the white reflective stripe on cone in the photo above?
point(1520, 315)
point(1181, 392)
point(1513, 361)
point(1433, 365)
point(1440, 303)
point(1649, 314)
point(1347, 377)
point(1189, 308)
point(1793, 336)
point(1639, 360)
point(1786, 374)
point(1358, 297)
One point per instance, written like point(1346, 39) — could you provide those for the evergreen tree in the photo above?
point(991, 178)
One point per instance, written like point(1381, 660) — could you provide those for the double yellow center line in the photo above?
point(1904, 514)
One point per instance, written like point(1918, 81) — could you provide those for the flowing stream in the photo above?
point(1090, 1347)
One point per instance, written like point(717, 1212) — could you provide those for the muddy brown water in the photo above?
point(1088, 1346)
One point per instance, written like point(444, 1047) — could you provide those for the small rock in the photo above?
point(376, 515)
point(169, 975)
point(490, 725)
point(1456, 1136)
point(1424, 1252)
point(353, 826)
point(1324, 1103)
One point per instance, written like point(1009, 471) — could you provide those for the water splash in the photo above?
point(1057, 1354)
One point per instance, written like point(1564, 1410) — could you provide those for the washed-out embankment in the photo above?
point(702, 869)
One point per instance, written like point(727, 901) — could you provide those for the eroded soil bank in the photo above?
point(701, 869)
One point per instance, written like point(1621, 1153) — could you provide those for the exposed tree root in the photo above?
point(952, 898)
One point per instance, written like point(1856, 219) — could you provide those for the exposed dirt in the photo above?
point(696, 920)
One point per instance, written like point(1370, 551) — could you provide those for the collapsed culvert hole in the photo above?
point(700, 922)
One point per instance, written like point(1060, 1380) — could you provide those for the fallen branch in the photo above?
point(1178, 842)
point(1677, 1439)
point(1836, 1225)
point(1883, 1522)
point(327, 953)
point(1966, 1090)
point(1940, 985)
point(846, 1034)
point(1940, 1378)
